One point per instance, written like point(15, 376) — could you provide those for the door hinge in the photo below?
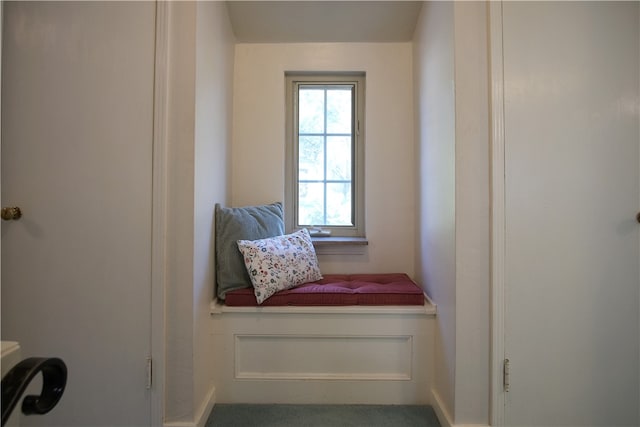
point(505, 374)
point(149, 373)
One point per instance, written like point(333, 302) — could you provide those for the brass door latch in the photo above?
point(12, 213)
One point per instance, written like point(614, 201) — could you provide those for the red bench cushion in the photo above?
point(339, 289)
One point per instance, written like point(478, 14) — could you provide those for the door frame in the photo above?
point(159, 213)
point(498, 218)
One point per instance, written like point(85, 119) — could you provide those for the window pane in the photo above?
point(311, 111)
point(311, 203)
point(311, 158)
point(339, 158)
point(339, 204)
point(339, 111)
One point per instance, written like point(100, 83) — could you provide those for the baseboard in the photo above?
point(443, 415)
point(201, 417)
point(440, 410)
point(205, 409)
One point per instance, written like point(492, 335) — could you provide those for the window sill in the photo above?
point(340, 245)
point(339, 241)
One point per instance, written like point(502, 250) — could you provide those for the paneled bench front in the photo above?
point(346, 339)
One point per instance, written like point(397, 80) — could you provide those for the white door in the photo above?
point(77, 110)
point(571, 117)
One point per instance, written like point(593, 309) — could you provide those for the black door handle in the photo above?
point(15, 382)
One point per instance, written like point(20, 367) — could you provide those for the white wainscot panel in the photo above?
point(339, 355)
point(323, 357)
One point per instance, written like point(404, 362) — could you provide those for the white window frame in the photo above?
point(293, 82)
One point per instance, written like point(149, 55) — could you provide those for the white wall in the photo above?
point(435, 140)
point(199, 99)
point(258, 156)
point(214, 97)
point(179, 368)
point(472, 214)
point(452, 255)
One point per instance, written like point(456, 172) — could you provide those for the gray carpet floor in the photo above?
point(249, 415)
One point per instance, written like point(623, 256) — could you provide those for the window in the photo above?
point(325, 141)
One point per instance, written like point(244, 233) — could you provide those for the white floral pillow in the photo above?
point(280, 262)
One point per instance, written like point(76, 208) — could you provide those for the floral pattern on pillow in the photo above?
point(280, 262)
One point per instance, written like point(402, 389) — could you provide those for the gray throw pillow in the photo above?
point(245, 223)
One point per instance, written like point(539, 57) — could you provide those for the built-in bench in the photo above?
point(357, 338)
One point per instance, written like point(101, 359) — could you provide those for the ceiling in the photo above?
point(323, 21)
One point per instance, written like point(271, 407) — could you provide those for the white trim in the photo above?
point(440, 410)
point(203, 413)
point(205, 408)
point(498, 221)
point(428, 309)
point(443, 415)
point(159, 212)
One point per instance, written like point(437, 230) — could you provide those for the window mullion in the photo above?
point(325, 158)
